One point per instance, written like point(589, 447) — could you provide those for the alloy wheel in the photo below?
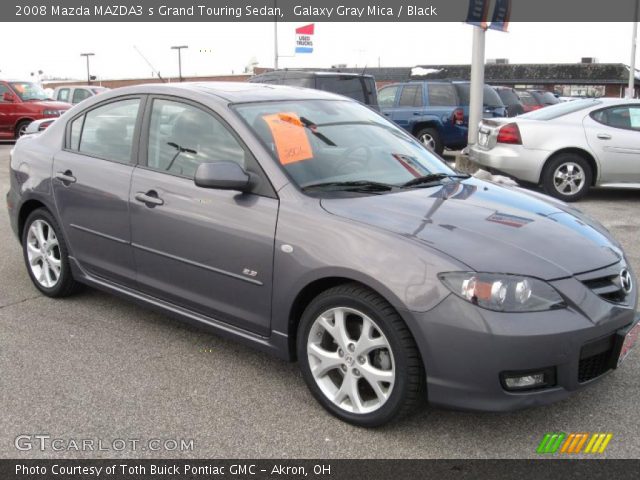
point(351, 360)
point(428, 141)
point(43, 253)
point(569, 178)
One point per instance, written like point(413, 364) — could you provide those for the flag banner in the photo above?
point(304, 39)
point(478, 13)
point(501, 15)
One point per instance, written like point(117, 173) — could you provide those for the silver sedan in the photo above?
point(566, 148)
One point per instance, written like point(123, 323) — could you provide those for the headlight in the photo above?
point(51, 113)
point(503, 293)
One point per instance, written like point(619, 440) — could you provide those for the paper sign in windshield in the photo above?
point(290, 138)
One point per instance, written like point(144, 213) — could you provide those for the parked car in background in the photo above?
point(435, 112)
point(566, 148)
point(260, 213)
point(360, 87)
point(511, 100)
point(536, 99)
point(76, 93)
point(21, 103)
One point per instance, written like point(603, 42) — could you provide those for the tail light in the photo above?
point(458, 116)
point(509, 133)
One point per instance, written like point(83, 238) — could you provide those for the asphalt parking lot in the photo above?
point(97, 367)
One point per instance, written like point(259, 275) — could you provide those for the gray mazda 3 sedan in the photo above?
point(307, 225)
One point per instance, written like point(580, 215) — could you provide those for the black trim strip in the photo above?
point(196, 264)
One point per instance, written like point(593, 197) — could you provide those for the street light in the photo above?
point(179, 49)
point(88, 74)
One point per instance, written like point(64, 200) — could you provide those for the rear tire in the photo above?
point(46, 255)
point(567, 176)
point(358, 358)
point(430, 138)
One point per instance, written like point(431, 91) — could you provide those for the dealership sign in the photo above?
point(304, 39)
point(478, 14)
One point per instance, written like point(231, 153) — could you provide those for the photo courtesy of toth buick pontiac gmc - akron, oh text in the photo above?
point(307, 225)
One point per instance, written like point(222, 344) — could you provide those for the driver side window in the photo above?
point(182, 136)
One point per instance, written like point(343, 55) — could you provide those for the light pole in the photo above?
point(87, 55)
point(179, 49)
point(631, 91)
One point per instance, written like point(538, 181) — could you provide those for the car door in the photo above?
point(387, 100)
point(410, 105)
point(91, 181)
point(207, 250)
point(614, 135)
point(6, 127)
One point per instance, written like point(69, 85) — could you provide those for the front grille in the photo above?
point(596, 359)
point(606, 283)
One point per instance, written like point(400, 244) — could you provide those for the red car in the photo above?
point(23, 102)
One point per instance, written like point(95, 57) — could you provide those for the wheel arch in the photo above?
point(25, 210)
point(314, 288)
point(425, 123)
point(578, 151)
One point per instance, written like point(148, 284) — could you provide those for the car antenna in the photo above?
point(155, 72)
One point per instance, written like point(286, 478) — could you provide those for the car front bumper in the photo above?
point(465, 350)
point(514, 160)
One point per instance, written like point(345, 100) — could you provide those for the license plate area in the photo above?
point(627, 339)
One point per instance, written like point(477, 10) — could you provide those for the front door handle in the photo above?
point(66, 177)
point(150, 198)
point(604, 136)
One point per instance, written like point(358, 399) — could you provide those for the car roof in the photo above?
point(231, 92)
point(308, 74)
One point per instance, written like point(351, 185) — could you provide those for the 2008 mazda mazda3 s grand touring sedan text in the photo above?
point(307, 225)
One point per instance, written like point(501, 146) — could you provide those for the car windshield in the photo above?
point(548, 98)
point(560, 109)
point(29, 91)
point(508, 96)
point(331, 141)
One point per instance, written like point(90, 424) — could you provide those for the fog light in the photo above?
point(528, 380)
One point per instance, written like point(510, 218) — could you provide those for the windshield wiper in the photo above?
point(432, 177)
point(352, 185)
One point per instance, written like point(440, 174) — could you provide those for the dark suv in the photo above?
point(435, 112)
point(353, 85)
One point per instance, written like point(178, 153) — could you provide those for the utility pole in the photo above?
point(476, 104)
point(632, 65)
point(179, 49)
point(87, 55)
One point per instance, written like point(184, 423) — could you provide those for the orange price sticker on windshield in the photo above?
point(290, 138)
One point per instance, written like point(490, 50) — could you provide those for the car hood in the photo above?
point(52, 104)
point(488, 227)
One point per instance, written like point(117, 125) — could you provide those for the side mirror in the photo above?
point(223, 176)
point(8, 97)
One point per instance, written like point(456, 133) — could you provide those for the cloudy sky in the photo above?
point(223, 48)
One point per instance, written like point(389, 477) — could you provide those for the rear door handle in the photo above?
point(66, 177)
point(604, 136)
point(150, 198)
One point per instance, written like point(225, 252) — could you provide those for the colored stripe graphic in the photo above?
point(573, 443)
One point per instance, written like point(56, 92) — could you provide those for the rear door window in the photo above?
point(442, 95)
point(625, 117)
point(108, 131)
point(411, 96)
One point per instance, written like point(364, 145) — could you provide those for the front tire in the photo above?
point(46, 255)
point(567, 176)
point(21, 128)
point(358, 357)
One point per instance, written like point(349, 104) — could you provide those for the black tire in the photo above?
point(567, 160)
point(20, 127)
point(438, 146)
point(409, 385)
point(66, 285)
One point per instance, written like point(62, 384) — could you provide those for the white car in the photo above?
point(76, 93)
point(566, 148)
